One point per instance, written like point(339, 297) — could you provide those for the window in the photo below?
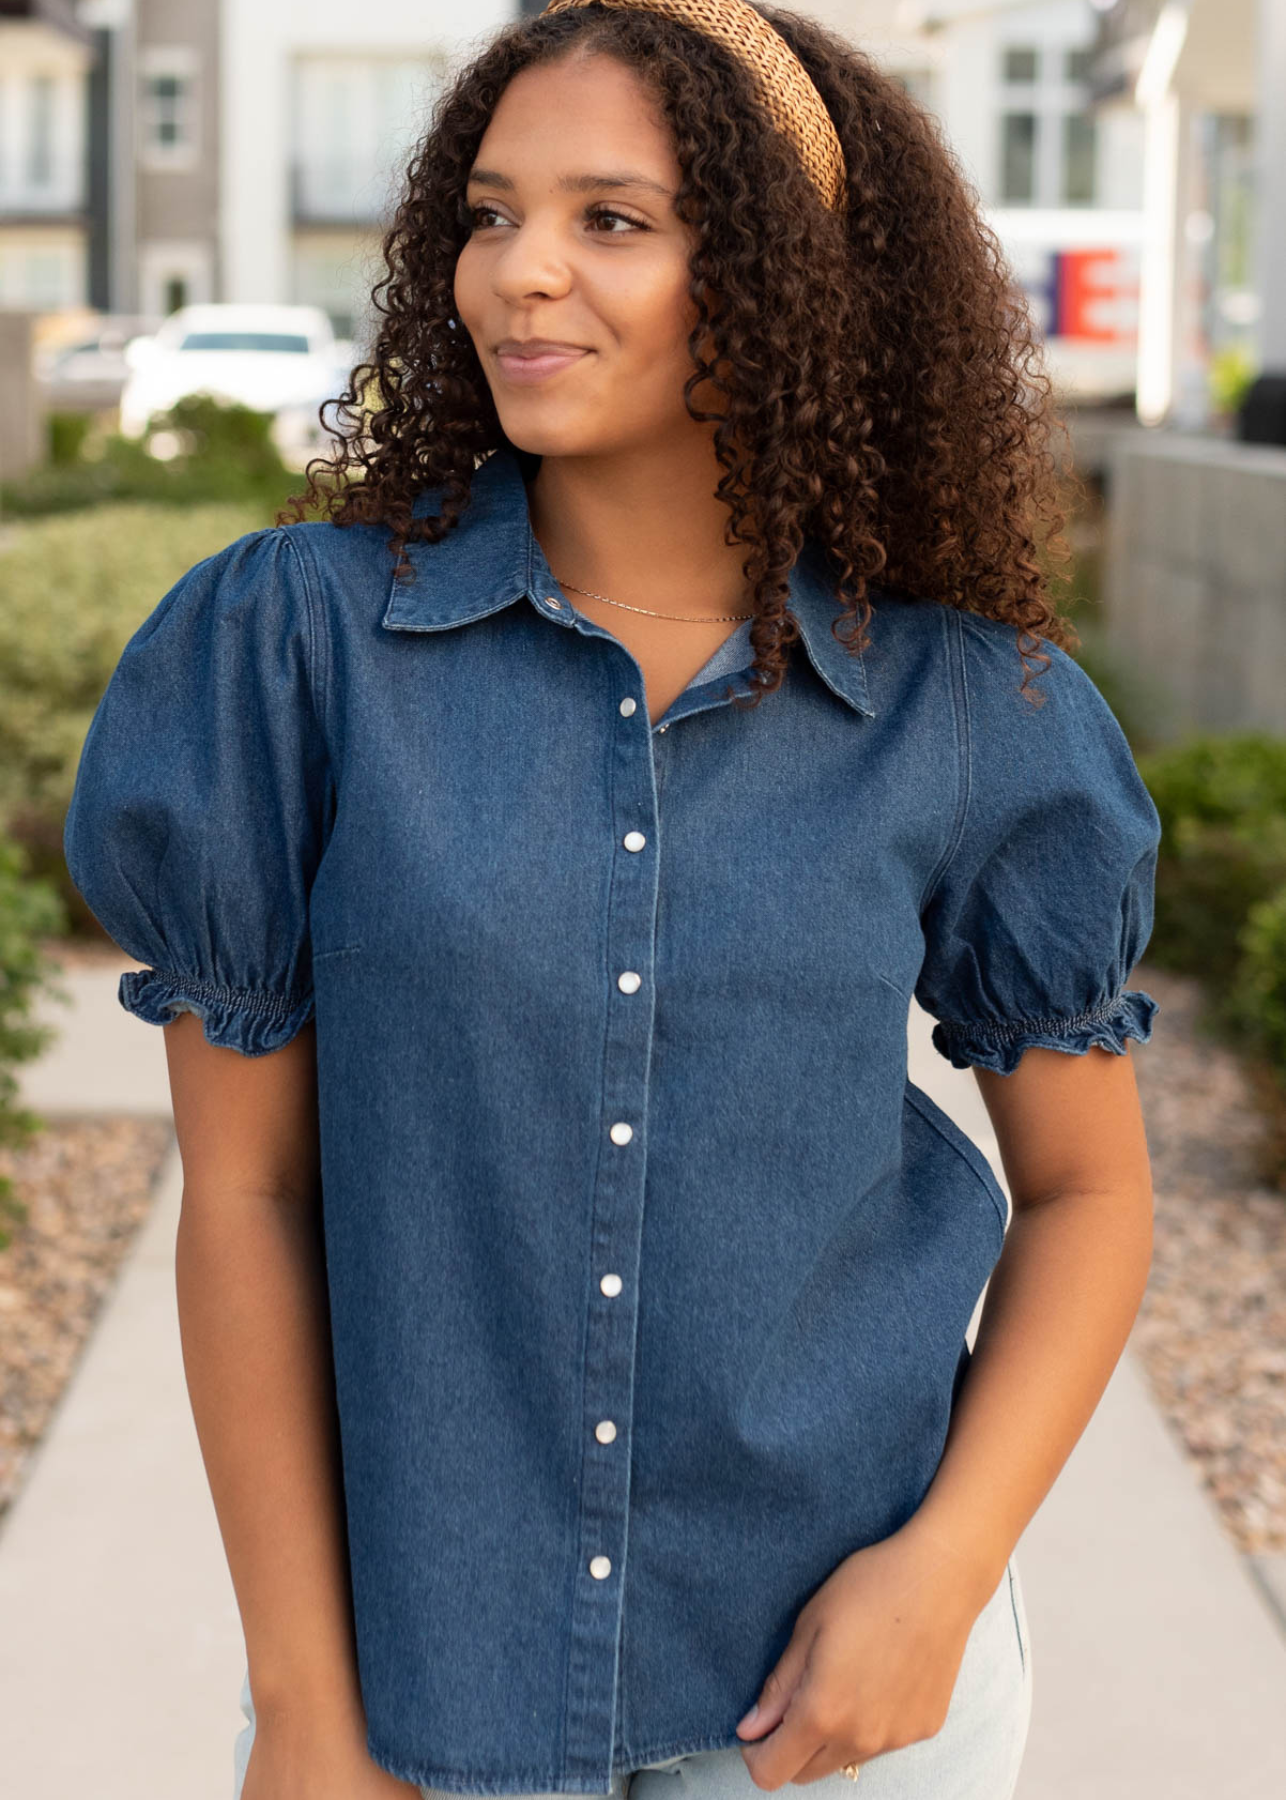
point(40, 133)
point(41, 279)
point(277, 342)
point(354, 123)
point(1047, 152)
point(1078, 158)
point(42, 161)
point(1018, 158)
point(174, 272)
point(168, 125)
point(166, 97)
point(336, 273)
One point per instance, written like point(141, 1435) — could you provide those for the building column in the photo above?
point(1270, 182)
point(1160, 254)
point(255, 223)
point(114, 245)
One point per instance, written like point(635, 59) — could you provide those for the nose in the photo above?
point(532, 261)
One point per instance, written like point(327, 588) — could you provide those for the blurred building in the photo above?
point(46, 58)
point(1207, 78)
point(1060, 184)
point(325, 105)
point(155, 153)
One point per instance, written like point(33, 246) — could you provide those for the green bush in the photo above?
point(1221, 876)
point(29, 911)
point(67, 434)
point(1231, 372)
point(1220, 779)
point(75, 588)
point(1256, 1000)
point(220, 451)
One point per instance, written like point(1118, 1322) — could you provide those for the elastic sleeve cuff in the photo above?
point(233, 1018)
point(1000, 1046)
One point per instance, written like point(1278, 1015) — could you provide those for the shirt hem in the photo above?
point(541, 1780)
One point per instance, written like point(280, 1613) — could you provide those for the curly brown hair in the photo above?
point(882, 380)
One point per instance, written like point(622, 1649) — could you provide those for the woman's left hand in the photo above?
point(871, 1664)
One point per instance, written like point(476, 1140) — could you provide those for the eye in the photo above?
point(610, 212)
point(477, 218)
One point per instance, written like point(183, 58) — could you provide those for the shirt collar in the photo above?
point(492, 557)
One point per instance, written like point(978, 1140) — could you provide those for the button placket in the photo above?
point(616, 1238)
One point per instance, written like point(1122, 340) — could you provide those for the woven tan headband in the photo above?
point(785, 87)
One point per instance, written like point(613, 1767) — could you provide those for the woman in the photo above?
point(573, 1286)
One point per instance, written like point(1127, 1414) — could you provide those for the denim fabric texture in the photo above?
point(976, 1755)
point(649, 1268)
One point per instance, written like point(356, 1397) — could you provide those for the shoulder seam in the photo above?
point(310, 611)
point(979, 623)
point(954, 632)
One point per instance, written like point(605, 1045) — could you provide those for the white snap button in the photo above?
point(629, 981)
point(555, 602)
point(611, 1285)
point(628, 706)
point(663, 727)
point(634, 840)
point(600, 1567)
point(621, 1133)
point(605, 1431)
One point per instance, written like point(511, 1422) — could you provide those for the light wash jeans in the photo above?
point(975, 1756)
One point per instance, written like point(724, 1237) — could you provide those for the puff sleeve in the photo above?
point(198, 811)
point(1045, 901)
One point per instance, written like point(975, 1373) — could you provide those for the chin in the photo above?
point(554, 438)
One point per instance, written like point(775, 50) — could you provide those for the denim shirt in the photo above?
point(649, 1269)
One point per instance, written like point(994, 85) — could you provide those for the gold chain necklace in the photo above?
point(680, 618)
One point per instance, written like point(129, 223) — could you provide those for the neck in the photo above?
point(643, 527)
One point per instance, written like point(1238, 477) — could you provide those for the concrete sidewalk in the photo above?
point(1159, 1669)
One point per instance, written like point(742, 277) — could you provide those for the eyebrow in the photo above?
point(578, 184)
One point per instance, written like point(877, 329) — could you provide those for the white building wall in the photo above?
point(259, 49)
point(42, 123)
point(276, 112)
point(43, 75)
point(1271, 177)
point(965, 103)
point(1078, 261)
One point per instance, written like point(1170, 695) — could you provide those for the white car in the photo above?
point(267, 357)
point(87, 371)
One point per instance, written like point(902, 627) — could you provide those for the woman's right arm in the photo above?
point(255, 1328)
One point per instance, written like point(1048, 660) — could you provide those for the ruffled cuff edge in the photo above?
point(999, 1046)
point(250, 1021)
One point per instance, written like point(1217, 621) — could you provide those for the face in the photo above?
point(575, 240)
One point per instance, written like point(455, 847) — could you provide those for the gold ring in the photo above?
point(852, 1770)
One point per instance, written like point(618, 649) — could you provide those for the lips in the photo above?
point(536, 347)
point(537, 361)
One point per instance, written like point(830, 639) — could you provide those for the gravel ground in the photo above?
point(1211, 1333)
point(86, 1183)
